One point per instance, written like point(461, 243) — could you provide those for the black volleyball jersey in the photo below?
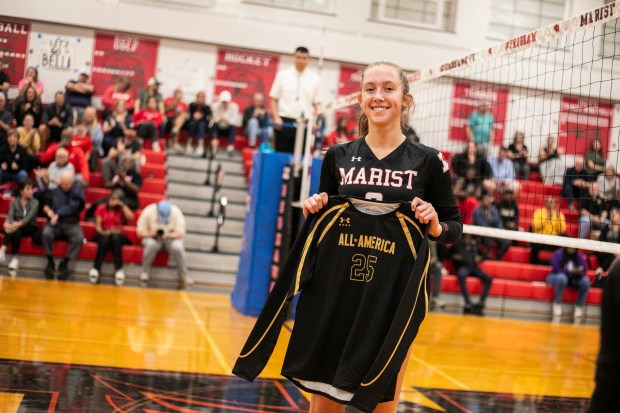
point(411, 170)
point(363, 297)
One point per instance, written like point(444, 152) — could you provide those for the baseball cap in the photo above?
point(153, 81)
point(84, 71)
point(225, 96)
point(163, 211)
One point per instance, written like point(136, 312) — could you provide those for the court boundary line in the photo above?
point(442, 373)
point(216, 350)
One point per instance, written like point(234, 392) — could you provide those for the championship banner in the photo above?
point(123, 55)
point(244, 73)
point(465, 101)
point(348, 85)
point(13, 48)
point(581, 121)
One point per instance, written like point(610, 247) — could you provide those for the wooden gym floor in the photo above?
point(76, 347)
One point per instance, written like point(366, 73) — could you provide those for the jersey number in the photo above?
point(362, 269)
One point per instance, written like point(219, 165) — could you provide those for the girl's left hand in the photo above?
point(426, 214)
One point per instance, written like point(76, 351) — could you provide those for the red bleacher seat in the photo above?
point(153, 171)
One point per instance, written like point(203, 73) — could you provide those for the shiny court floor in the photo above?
point(74, 347)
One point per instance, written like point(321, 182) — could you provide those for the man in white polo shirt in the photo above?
point(294, 92)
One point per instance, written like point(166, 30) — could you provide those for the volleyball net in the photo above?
point(547, 101)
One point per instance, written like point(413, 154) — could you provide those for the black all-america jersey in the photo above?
point(411, 170)
point(362, 276)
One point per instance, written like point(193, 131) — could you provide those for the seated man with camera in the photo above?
point(162, 226)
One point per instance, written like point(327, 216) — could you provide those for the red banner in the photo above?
point(123, 55)
point(581, 121)
point(348, 83)
point(13, 48)
point(244, 73)
point(465, 101)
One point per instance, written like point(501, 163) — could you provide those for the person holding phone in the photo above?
point(162, 226)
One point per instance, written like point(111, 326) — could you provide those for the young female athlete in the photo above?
point(384, 165)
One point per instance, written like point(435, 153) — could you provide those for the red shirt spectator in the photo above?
point(148, 115)
point(115, 93)
point(84, 142)
point(180, 107)
point(111, 218)
point(76, 158)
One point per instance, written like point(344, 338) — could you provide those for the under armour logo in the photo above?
point(344, 222)
point(359, 158)
point(446, 167)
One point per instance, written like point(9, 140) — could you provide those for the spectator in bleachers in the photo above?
point(114, 125)
point(150, 91)
point(549, 151)
point(480, 128)
point(6, 118)
point(547, 220)
point(5, 84)
point(436, 271)
point(509, 210)
point(595, 158)
point(120, 91)
point(467, 263)
point(128, 145)
point(78, 93)
point(76, 156)
point(81, 139)
point(20, 222)
point(13, 159)
point(162, 226)
point(31, 79)
point(610, 186)
point(568, 269)
point(63, 213)
point(94, 130)
point(128, 180)
point(609, 233)
point(469, 157)
point(593, 214)
point(503, 172)
point(48, 179)
point(576, 182)
point(487, 215)
point(255, 122)
point(468, 190)
point(176, 116)
point(109, 220)
point(339, 135)
point(200, 121)
point(56, 116)
point(28, 103)
point(149, 121)
point(518, 153)
point(29, 137)
point(225, 118)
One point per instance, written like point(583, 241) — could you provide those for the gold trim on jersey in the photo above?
point(407, 233)
point(341, 208)
point(298, 276)
point(265, 333)
point(411, 221)
point(422, 281)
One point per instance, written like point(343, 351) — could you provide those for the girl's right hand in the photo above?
point(315, 203)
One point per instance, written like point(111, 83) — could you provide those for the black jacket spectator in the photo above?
point(19, 156)
point(461, 162)
point(63, 113)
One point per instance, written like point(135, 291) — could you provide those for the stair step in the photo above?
point(190, 206)
point(201, 224)
point(177, 189)
point(198, 177)
point(203, 242)
point(230, 166)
